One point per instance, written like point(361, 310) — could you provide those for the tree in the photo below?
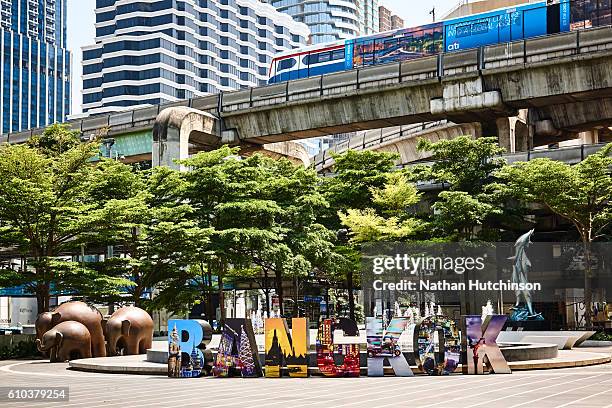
point(462, 163)
point(48, 210)
point(395, 222)
point(580, 193)
point(465, 167)
point(154, 230)
point(262, 213)
point(356, 174)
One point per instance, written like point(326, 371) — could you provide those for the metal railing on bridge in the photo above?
point(373, 138)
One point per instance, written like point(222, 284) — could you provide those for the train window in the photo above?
point(605, 13)
point(324, 57)
point(364, 52)
point(338, 54)
point(428, 42)
point(286, 64)
point(317, 58)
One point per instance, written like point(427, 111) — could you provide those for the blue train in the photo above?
point(499, 26)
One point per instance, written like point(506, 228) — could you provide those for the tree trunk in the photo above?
point(221, 296)
point(351, 296)
point(43, 297)
point(210, 310)
point(137, 299)
point(296, 284)
point(588, 292)
point(279, 291)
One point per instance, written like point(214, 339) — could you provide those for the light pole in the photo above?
point(108, 145)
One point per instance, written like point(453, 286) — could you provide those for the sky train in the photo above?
point(499, 26)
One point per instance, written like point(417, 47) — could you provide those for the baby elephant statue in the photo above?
point(66, 341)
point(129, 331)
point(78, 312)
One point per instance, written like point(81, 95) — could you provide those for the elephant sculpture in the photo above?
point(66, 341)
point(129, 331)
point(78, 312)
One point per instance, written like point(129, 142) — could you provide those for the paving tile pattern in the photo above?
point(584, 387)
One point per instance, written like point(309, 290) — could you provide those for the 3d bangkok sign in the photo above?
point(438, 347)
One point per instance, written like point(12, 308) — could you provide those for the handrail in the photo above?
point(406, 130)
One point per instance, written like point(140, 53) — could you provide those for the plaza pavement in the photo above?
point(585, 387)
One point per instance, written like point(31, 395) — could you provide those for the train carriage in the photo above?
point(494, 27)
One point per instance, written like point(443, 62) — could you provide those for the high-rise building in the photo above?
point(328, 21)
point(368, 17)
point(332, 20)
point(388, 21)
point(36, 65)
point(397, 22)
point(167, 50)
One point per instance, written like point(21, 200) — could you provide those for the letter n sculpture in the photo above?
point(284, 348)
point(480, 345)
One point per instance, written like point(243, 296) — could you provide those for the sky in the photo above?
point(81, 29)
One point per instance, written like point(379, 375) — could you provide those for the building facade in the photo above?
point(368, 17)
point(397, 22)
point(36, 66)
point(168, 50)
point(332, 20)
point(388, 21)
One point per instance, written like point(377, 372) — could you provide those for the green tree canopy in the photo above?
point(466, 209)
point(48, 209)
point(579, 193)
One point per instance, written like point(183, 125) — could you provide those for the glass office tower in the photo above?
point(36, 72)
point(332, 20)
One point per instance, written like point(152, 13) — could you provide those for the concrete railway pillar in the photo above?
point(178, 127)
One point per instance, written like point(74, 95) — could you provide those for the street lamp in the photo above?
point(108, 145)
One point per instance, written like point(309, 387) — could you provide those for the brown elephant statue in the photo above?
point(129, 331)
point(66, 341)
point(78, 312)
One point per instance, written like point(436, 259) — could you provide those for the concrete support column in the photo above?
point(590, 137)
point(521, 136)
point(502, 129)
point(173, 130)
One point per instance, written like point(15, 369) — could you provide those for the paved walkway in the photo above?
point(583, 387)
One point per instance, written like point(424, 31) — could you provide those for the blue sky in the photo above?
point(81, 30)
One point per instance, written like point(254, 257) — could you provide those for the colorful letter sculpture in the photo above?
point(325, 348)
point(187, 353)
point(284, 348)
point(237, 354)
point(441, 332)
point(383, 344)
point(479, 341)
